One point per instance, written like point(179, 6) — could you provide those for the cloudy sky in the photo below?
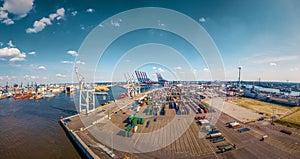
point(41, 40)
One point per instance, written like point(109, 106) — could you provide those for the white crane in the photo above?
point(87, 100)
point(80, 79)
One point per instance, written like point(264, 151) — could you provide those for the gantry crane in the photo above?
point(87, 96)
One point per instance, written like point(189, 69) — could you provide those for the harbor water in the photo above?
point(273, 90)
point(30, 128)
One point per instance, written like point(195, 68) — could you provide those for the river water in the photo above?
point(29, 129)
point(273, 90)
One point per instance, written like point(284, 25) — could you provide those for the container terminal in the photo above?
point(184, 120)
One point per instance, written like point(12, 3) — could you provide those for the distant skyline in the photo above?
point(40, 40)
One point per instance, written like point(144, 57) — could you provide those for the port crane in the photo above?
point(133, 87)
point(80, 79)
point(87, 102)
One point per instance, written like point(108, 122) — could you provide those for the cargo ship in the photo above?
point(18, 96)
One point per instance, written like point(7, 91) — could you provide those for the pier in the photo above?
point(76, 126)
point(107, 123)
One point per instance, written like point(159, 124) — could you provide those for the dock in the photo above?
point(100, 134)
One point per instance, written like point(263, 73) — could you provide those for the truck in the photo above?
point(286, 132)
point(148, 124)
point(243, 130)
point(214, 135)
point(217, 139)
point(203, 121)
point(233, 125)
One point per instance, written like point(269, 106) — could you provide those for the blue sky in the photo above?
point(40, 40)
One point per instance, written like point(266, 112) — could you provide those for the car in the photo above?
point(263, 137)
point(148, 124)
point(261, 118)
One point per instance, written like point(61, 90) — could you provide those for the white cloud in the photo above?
point(73, 53)
point(14, 59)
point(161, 70)
point(4, 18)
point(90, 10)
point(60, 75)
point(31, 77)
point(60, 13)
point(8, 21)
point(43, 22)
point(67, 62)
point(10, 44)
point(178, 68)
point(74, 13)
point(116, 23)
point(18, 7)
point(206, 70)
point(32, 53)
point(37, 27)
point(273, 64)
point(42, 68)
point(277, 59)
point(80, 62)
point(3, 14)
point(15, 7)
point(154, 68)
point(14, 54)
point(34, 77)
point(46, 20)
point(202, 19)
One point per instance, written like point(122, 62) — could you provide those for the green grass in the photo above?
point(260, 106)
point(292, 120)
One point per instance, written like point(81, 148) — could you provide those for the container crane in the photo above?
point(80, 79)
point(87, 96)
